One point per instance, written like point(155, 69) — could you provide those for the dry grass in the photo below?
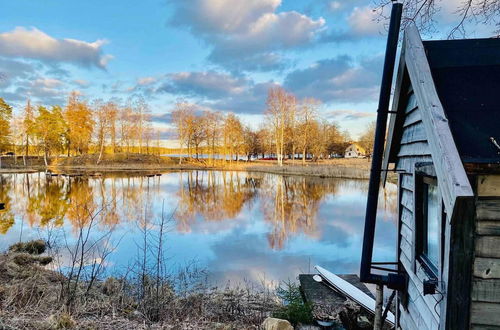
point(352, 168)
point(32, 297)
point(118, 159)
point(332, 168)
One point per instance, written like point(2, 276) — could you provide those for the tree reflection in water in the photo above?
point(289, 204)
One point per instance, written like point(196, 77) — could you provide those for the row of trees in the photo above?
point(291, 127)
point(78, 128)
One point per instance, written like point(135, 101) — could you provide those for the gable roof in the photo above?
point(414, 70)
point(357, 146)
point(466, 74)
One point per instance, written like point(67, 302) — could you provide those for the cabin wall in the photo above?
point(421, 312)
point(485, 306)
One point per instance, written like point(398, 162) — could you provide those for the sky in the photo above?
point(219, 54)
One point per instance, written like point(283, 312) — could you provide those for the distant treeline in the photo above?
point(78, 128)
point(291, 127)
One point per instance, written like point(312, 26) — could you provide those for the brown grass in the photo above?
point(32, 297)
point(352, 168)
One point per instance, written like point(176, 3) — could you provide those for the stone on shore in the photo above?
point(276, 324)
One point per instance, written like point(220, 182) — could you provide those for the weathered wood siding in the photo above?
point(422, 311)
point(485, 307)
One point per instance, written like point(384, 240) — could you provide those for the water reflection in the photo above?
point(237, 224)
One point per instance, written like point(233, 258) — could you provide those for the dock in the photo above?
point(329, 305)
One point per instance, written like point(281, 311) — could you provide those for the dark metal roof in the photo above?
point(467, 78)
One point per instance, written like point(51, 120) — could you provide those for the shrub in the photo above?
point(31, 247)
point(294, 309)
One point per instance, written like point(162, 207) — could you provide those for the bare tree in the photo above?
point(182, 117)
point(213, 123)
point(424, 12)
point(308, 111)
point(233, 136)
point(280, 108)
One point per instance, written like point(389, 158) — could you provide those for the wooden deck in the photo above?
point(328, 304)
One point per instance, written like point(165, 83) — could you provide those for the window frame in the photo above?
point(423, 177)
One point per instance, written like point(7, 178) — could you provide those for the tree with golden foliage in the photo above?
point(5, 117)
point(80, 124)
point(50, 130)
point(367, 139)
point(232, 136)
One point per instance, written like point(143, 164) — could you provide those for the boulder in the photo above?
point(276, 324)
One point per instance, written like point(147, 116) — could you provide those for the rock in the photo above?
point(221, 326)
point(276, 324)
point(364, 322)
point(307, 327)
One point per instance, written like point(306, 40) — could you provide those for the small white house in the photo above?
point(354, 151)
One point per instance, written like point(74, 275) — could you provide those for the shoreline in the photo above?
point(347, 168)
point(322, 171)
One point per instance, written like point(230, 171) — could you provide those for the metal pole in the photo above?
point(379, 303)
point(378, 147)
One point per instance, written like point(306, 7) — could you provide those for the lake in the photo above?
point(238, 226)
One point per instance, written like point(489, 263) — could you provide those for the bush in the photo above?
point(294, 308)
point(31, 247)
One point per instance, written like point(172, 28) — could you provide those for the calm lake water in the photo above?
point(238, 226)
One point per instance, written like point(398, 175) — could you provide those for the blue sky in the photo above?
point(220, 54)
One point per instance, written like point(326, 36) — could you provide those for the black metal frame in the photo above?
point(392, 280)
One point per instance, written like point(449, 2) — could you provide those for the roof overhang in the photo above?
point(414, 69)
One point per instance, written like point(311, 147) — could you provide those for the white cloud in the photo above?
point(245, 29)
point(335, 5)
point(47, 83)
point(364, 21)
point(210, 84)
point(81, 82)
point(349, 114)
point(338, 79)
point(218, 90)
point(14, 70)
point(146, 81)
point(35, 44)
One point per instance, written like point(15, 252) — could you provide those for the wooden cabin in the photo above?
point(444, 143)
point(354, 151)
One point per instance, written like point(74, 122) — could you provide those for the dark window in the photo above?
point(429, 223)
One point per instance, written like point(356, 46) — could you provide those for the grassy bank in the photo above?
point(34, 297)
point(150, 164)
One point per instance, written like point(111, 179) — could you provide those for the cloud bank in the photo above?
point(254, 32)
point(35, 44)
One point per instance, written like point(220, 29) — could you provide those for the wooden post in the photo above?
point(379, 299)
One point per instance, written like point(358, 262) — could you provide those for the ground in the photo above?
point(353, 168)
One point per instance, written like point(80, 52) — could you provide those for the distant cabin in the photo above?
point(354, 151)
point(444, 143)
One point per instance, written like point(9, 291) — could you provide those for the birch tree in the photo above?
point(280, 107)
point(28, 128)
point(213, 126)
point(308, 111)
point(182, 117)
